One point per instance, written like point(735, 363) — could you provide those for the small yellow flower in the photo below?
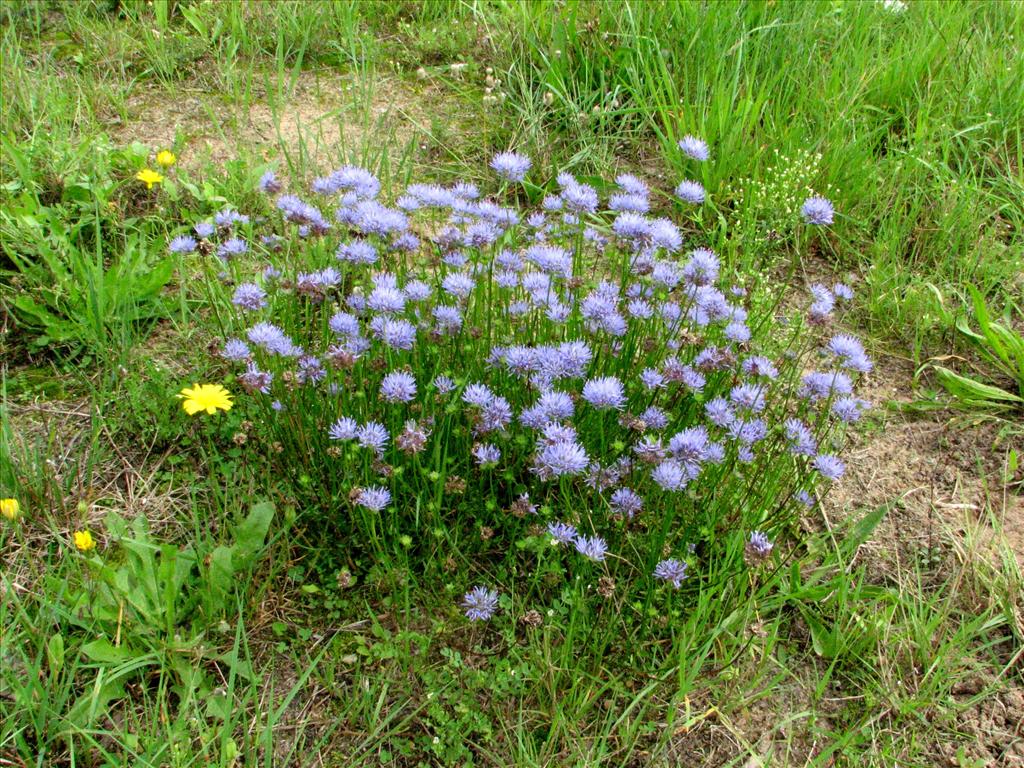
point(166, 158)
point(205, 397)
point(149, 177)
point(84, 541)
point(10, 508)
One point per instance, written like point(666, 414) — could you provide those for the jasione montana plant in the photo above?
point(460, 375)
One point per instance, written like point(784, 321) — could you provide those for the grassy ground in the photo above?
point(895, 637)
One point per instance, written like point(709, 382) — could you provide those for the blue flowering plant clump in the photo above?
point(576, 383)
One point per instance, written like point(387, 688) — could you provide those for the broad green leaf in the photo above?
point(105, 652)
point(975, 392)
point(55, 653)
point(251, 533)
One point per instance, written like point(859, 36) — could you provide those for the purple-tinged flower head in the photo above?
point(579, 198)
point(397, 334)
point(829, 466)
point(562, 533)
point(447, 320)
point(850, 353)
point(455, 259)
point(817, 210)
point(651, 379)
point(204, 229)
point(480, 603)
point(551, 203)
point(654, 418)
point(689, 446)
point(694, 148)
point(272, 339)
point(227, 218)
point(670, 475)
point(640, 309)
point(269, 184)
point(506, 279)
point(357, 251)
point(478, 395)
point(720, 413)
point(254, 380)
point(511, 166)
point(761, 367)
point(626, 502)
point(551, 259)
point(310, 370)
point(486, 454)
point(690, 192)
point(444, 384)
point(560, 458)
point(805, 498)
point(406, 242)
point(509, 260)
point(702, 267)
point(821, 308)
point(231, 248)
point(842, 291)
point(386, 297)
point(737, 332)
point(464, 190)
point(800, 438)
point(849, 409)
point(277, 405)
point(458, 284)
point(349, 178)
point(673, 571)
point(623, 201)
point(556, 406)
point(494, 416)
point(408, 203)
point(748, 432)
point(417, 290)
point(372, 218)
point(430, 195)
point(375, 498)
point(714, 453)
point(633, 227)
point(374, 436)
point(315, 285)
point(604, 392)
point(650, 450)
point(235, 350)
point(714, 358)
point(249, 296)
point(666, 273)
point(344, 429)
point(398, 387)
point(591, 547)
point(665, 234)
point(632, 185)
point(182, 244)
point(748, 397)
point(344, 324)
point(413, 437)
point(817, 386)
point(758, 547)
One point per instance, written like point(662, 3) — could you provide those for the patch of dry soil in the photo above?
point(937, 479)
point(325, 117)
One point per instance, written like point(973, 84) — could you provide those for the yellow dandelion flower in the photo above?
point(84, 541)
point(10, 508)
point(166, 158)
point(205, 397)
point(149, 177)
